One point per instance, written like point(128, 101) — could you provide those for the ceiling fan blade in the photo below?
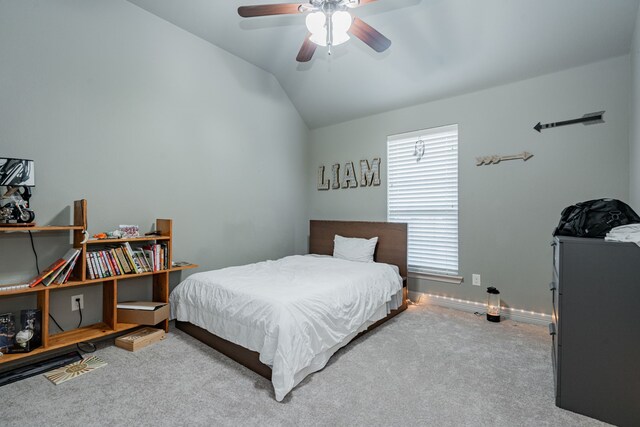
point(355, 3)
point(307, 50)
point(269, 9)
point(369, 35)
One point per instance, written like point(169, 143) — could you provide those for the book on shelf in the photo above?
point(112, 268)
point(106, 255)
point(147, 266)
point(140, 305)
point(89, 266)
point(50, 278)
point(123, 260)
point(54, 269)
point(112, 265)
point(116, 261)
point(102, 268)
point(97, 265)
point(165, 255)
point(138, 261)
point(66, 271)
point(106, 264)
point(142, 260)
point(134, 262)
point(148, 253)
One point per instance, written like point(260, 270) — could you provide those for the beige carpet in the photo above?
point(428, 366)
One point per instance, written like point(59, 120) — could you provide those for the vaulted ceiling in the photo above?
point(440, 48)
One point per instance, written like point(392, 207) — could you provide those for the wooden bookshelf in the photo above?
point(109, 325)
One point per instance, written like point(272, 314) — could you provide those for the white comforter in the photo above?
point(292, 311)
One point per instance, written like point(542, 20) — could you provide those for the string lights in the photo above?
point(506, 309)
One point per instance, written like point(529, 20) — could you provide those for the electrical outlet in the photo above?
point(74, 304)
point(476, 281)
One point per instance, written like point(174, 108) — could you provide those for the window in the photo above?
point(423, 192)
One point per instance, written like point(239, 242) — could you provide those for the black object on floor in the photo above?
point(38, 368)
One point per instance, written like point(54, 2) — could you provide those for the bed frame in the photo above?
point(391, 249)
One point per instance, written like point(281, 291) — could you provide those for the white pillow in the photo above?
point(354, 249)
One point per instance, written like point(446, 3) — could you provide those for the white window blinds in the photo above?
point(423, 192)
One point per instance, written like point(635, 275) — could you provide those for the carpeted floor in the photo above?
point(428, 366)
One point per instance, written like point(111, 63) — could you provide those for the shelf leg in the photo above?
point(43, 305)
point(161, 293)
point(80, 218)
point(165, 227)
point(110, 302)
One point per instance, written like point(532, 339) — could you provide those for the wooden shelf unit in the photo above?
point(109, 325)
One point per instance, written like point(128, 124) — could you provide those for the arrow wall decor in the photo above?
point(587, 119)
point(494, 160)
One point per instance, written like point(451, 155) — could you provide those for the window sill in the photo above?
point(455, 280)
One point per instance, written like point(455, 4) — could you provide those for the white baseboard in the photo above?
point(473, 307)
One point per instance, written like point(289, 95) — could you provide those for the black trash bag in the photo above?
point(595, 218)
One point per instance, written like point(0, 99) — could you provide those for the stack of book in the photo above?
point(122, 259)
point(58, 272)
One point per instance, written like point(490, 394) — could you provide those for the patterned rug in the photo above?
point(74, 370)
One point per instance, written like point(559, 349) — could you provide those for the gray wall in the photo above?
point(634, 147)
point(508, 211)
point(145, 121)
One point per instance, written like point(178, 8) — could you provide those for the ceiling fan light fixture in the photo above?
point(341, 21)
point(339, 38)
point(316, 22)
point(317, 25)
point(319, 38)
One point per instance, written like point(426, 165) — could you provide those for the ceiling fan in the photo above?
point(328, 21)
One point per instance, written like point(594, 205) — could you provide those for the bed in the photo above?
point(284, 319)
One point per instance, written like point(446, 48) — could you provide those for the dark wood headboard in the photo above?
point(392, 239)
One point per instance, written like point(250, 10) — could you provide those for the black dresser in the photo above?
point(596, 354)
